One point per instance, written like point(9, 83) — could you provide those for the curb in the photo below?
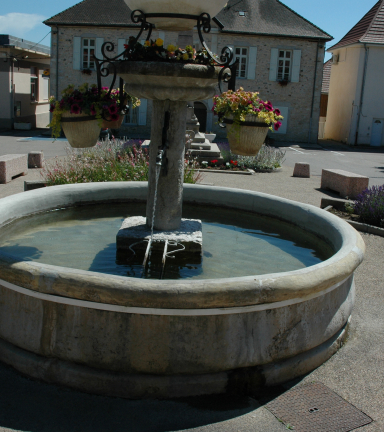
point(247, 172)
point(369, 229)
point(362, 227)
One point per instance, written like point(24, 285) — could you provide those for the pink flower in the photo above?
point(277, 125)
point(277, 111)
point(112, 109)
point(52, 108)
point(75, 108)
point(93, 111)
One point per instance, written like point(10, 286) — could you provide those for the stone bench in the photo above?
point(346, 183)
point(12, 165)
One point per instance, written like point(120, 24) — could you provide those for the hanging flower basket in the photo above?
point(248, 120)
point(80, 130)
point(246, 138)
point(113, 124)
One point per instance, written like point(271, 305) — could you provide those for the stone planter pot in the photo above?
point(196, 7)
point(113, 124)
point(169, 81)
point(80, 130)
point(246, 138)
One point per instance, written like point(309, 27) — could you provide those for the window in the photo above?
point(34, 84)
point(88, 51)
point(132, 115)
point(242, 55)
point(284, 65)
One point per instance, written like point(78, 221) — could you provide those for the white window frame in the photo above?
point(88, 64)
point(242, 69)
point(282, 61)
point(132, 114)
point(34, 91)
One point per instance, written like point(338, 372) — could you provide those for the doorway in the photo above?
point(201, 114)
point(377, 132)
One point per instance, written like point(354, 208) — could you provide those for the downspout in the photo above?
point(362, 92)
point(314, 91)
point(57, 62)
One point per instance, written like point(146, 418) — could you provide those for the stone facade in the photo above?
point(295, 99)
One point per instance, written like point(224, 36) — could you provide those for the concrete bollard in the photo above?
point(302, 170)
point(35, 159)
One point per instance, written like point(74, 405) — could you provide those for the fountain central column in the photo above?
point(170, 185)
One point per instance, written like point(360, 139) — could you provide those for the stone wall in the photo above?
point(295, 98)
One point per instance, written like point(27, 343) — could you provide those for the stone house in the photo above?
point(24, 83)
point(355, 113)
point(281, 55)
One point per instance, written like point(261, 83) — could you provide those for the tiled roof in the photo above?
point(108, 13)
point(266, 17)
point(326, 76)
point(370, 29)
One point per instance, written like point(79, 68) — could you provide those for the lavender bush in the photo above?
point(369, 205)
point(110, 160)
point(268, 158)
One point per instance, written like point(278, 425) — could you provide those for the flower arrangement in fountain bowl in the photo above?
point(154, 50)
point(82, 112)
point(248, 119)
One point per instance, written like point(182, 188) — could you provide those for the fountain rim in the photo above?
point(175, 294)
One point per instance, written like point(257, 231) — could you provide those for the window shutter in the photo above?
point(251, 73)
point(273, 64)
point(76, 52)
point(99, 43)
point(143, 112)
point(162, 36)
point(296, 62)
point(120, 45)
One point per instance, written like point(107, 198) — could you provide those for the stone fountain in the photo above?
point(142, 338)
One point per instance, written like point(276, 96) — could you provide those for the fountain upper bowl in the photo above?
point(196, 7)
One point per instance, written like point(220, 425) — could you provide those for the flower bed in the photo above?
point(108, 161)
point(268, 159)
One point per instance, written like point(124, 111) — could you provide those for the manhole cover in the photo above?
point(316, 408)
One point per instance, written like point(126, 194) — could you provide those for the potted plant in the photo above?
point(80, 113)
point(248, 120)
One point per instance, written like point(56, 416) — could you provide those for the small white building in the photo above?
point(24, 82)
point(355, 113)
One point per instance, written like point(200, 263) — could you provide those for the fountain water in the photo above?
point(140, 338)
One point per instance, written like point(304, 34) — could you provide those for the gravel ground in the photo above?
point(355, 372)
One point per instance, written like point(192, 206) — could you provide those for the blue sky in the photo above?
point(23, 18)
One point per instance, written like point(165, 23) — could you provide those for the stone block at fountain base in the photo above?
point(134, 229)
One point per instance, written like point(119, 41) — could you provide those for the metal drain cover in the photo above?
point(316, 408)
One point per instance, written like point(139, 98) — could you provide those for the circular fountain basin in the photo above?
point(140, 338)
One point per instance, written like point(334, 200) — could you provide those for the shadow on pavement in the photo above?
point(28, 405)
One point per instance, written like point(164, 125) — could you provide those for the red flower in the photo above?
point(75, 108)
point(112, 109)
point(114, 117)
point(277, 125)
